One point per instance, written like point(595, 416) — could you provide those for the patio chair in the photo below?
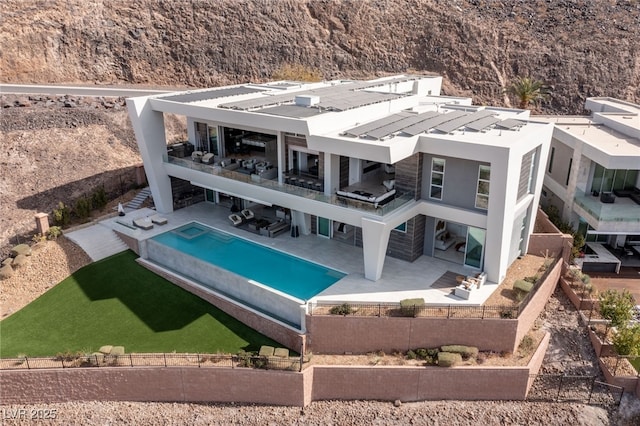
point(143, 223)
point(158, 220)
point(236, 219)
point(247, 214)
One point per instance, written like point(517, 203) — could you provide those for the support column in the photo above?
point(375, 238)
point(148, 126)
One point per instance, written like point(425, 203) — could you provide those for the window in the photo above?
point(482, 194)
point(553, 151)
point(437, 178)
point(569, 171)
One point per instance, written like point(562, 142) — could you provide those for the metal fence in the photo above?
point(430, 311)
point(154, 360)
point(582, 389)
point(415, 311)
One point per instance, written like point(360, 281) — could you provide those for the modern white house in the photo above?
point(592, 175)
point(388, 165)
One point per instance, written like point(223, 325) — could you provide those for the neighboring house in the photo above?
point(593, 174)
point(387, 164)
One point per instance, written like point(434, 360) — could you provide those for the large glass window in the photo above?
point(474, 248)
point(437, 178)
point(606, 180)
point(482, 194)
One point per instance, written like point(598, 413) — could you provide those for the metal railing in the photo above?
point(154, 360)
point(415, 311)
point(564, 388)
point(379, 210)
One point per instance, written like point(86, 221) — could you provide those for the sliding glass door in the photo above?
point(324, 227)
point(474, 248)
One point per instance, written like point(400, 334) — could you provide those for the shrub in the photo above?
point(344, 309)
point(61, 215)
point(411, 354)
point(54, 232)
point(82, 208)
point(532, 279)
point(99, 198)
point(522, 285)
point(38, 238)
point(617, 306)
point(627, 340)
point(481, 358)
point(507, 313)
point(408, 306)
point(464, 351)
point(527, 344)
point(448, 359)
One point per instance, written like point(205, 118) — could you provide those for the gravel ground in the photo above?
point(570, 353)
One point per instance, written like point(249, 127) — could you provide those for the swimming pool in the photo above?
point(280, 271)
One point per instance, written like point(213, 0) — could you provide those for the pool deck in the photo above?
point(400, 279)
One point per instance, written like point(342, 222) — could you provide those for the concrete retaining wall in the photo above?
point(282, 334)
point(530, 313)
point(237, 287)
point(272, 387)
point(337, 335)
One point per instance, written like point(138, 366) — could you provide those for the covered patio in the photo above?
point(400, 279)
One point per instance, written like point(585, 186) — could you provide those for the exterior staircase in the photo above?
point(98, 241)
point(138, 199)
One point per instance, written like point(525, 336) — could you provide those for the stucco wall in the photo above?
point(338, 334)
point(152, 384)
point(268, 386)
point(529, 314)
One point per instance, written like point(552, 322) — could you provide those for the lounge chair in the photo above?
point(158, 220)
point(208, 158)
point(247, 214)
point(235, 218)
point(143, 223)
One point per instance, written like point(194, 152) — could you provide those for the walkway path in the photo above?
point(98, 241)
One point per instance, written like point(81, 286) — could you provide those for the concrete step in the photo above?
point(139, 199)
point(98, 241)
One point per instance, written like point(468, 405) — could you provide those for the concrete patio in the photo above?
point(400, 279)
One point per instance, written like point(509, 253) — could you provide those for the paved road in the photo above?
point(79, 90)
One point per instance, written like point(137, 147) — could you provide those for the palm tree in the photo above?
point(528, 90)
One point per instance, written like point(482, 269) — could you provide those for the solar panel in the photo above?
point(294, 111)
point(367, 127)
point(430, 123)
point(400, 124)
point(510, 123)
point(452, 125)
point(482, 123)
point(260, 102)
point(211, 94)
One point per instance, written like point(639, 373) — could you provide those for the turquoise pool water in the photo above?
point(281, 271)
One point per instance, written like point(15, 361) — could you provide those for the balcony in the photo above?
point(253, 179)
point(617, 209)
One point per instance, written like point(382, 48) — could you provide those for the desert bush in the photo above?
point(38, 238)
point(411, 354)
point(464, 351)
point(448, 359)
point(627, 340)
point(617, 306)
point(82, 208)
point(54, 232)
point(527, 345)
point(408, 306)
point(532, 279)
point(523, 286)
point(61, 215)
point(99, 198)
point(344, 309)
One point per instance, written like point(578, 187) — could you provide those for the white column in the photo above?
point(375, 238)
point(148, 126)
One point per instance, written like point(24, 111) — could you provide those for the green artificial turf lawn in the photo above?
point(636, 364)
point(118, 302)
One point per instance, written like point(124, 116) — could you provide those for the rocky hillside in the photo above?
point(579, 47)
